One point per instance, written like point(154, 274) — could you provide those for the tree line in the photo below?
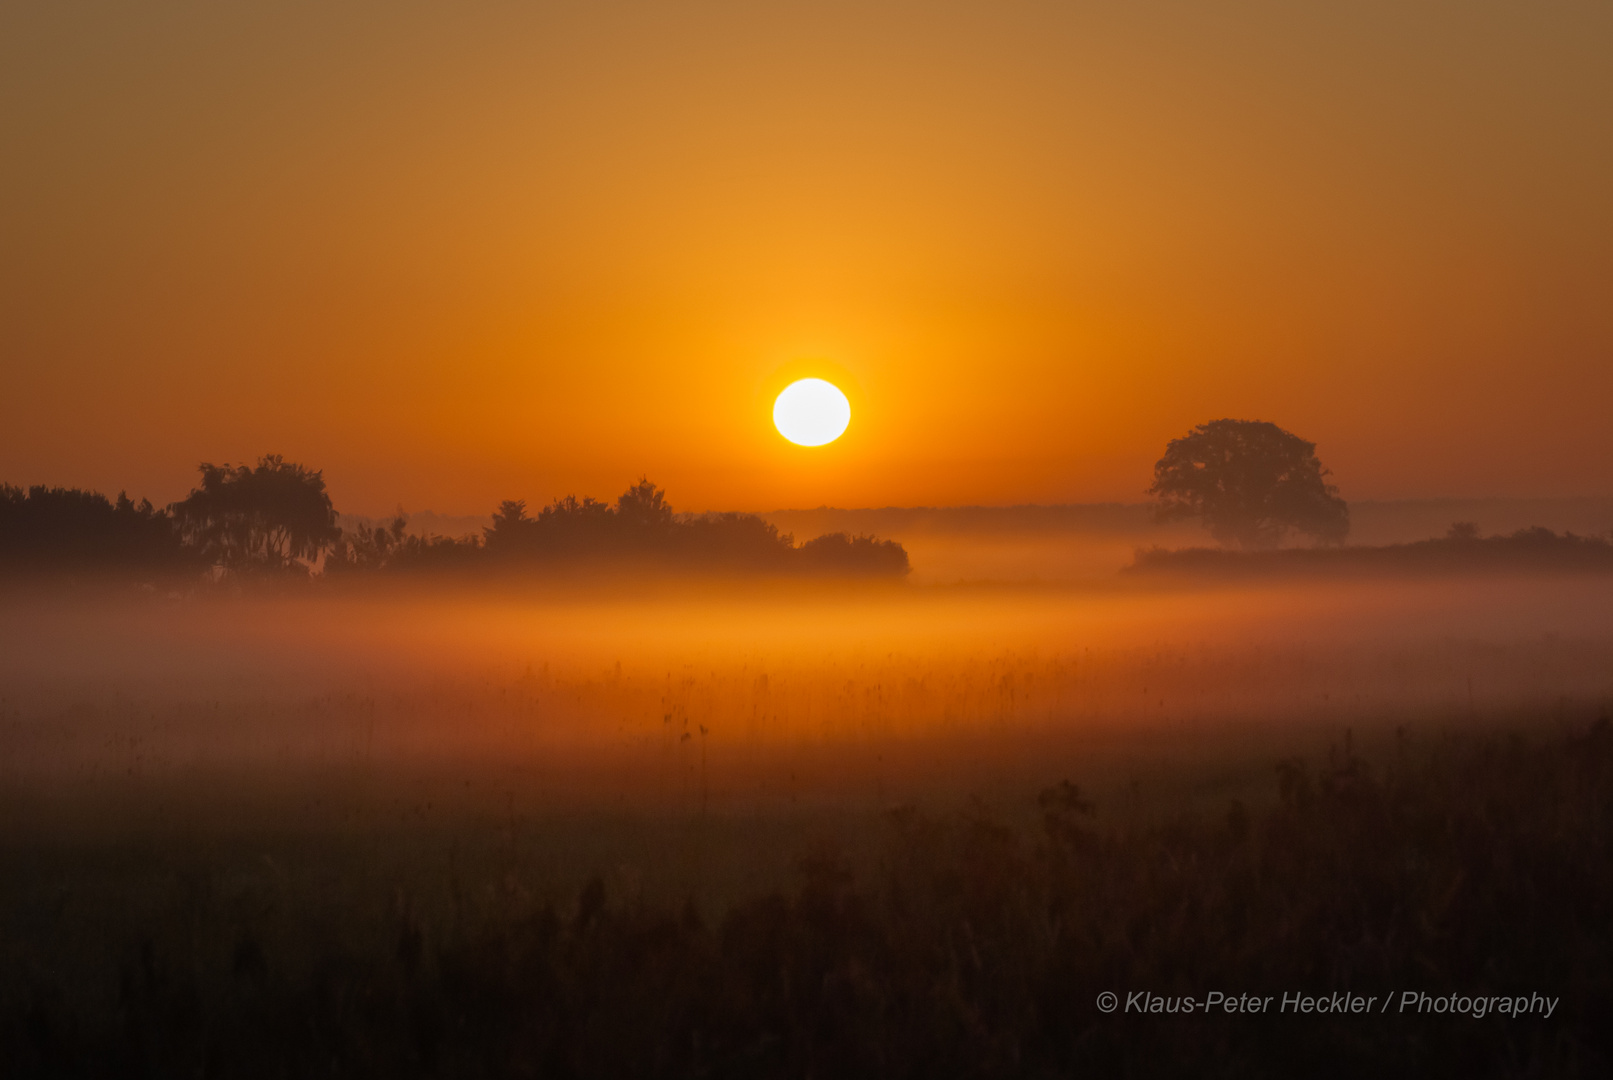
point(275, 519)
point(1251, 483)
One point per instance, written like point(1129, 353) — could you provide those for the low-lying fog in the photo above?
point(729, 697)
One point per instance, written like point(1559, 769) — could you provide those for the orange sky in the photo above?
point(457, 253)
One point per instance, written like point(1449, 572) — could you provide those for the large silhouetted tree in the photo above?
point(1251, 483)
point(272, 516)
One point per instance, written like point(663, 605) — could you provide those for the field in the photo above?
point(792, 829)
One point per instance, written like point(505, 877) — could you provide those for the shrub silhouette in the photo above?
point(843, 553)
point(366, 548)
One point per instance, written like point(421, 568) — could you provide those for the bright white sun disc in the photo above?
point(811, 412)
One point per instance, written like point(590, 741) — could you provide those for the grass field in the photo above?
point(910, 831)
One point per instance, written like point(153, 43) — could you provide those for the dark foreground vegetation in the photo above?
point(1462, 551)
point(1474, 864)
point(275, 520)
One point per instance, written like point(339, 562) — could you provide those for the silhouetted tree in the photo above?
point(1250, 482)
point(511, 530)
point(272, 516)
point(573, 527)
point(70, 529)
point(643, 508)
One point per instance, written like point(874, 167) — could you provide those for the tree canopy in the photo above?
point(1251, 483)
point(272, 516)
point(66, 529)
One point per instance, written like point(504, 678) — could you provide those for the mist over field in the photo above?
point(598, 698)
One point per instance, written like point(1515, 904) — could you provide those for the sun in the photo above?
point(811, 412)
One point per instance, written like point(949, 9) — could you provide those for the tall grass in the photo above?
point(962, 946)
